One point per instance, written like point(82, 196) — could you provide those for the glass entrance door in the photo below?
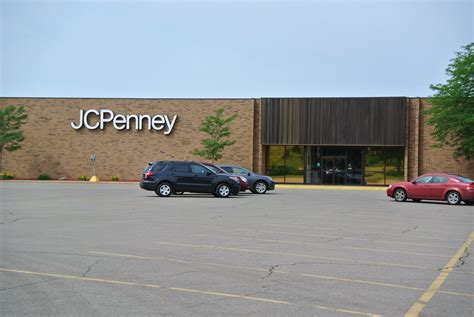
point(333, 169)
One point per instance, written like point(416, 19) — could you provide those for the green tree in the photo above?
point(452, 113)
point(11, 119)
point(217, 128)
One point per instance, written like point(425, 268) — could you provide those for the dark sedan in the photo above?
point(258, 184)
point(435, 186)
point(242, 180)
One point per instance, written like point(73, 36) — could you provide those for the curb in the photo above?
point(330, 187)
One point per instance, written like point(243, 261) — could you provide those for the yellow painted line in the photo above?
point(72, 277)
point(178, 289)
point(322, 244)
point(325, 187)
point(417, 307)
point(294, 255)
point(230, 295)
point(335, 237)
point(325, 277)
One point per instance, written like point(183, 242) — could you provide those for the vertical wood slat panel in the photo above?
point(334, 121)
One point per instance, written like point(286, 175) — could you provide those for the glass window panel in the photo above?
point(294, 164)
point(375, 166)
point(354, 166)
point(394, 170)
point(276, 163)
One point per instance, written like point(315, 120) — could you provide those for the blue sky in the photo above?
point(192, 49)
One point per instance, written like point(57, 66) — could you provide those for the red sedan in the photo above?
point(435, 186)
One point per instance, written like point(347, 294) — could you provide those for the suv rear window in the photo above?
point(158, 168)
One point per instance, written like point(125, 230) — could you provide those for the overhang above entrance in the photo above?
point(334, 121)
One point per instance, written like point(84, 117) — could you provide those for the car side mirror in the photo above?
point(248, 174)
point(208, 173)
point(413, 182)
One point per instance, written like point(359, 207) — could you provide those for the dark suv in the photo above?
point(176, 177)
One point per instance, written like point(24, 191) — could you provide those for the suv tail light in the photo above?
point(148, 174)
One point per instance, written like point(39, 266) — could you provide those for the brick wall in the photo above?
point(422, 157)
point(51, 146)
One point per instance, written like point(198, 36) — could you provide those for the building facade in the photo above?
point(357, 141)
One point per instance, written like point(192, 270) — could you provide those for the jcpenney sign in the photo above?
point(127, 122)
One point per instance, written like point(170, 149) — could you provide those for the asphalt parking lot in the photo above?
point(113, 249)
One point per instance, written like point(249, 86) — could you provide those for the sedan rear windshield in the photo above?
point(464, 179)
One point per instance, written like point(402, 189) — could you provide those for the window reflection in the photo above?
point(335, 165)
point(286, 163)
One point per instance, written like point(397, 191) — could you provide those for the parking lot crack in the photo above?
point(180, 273)
point(411, 229)
point(29, 284)
point(271, 270)
point(90, 267)
point(460, 262)
point(14, 220)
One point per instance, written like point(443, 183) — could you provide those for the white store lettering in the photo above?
point(127, 122)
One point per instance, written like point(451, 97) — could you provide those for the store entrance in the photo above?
point(333, 169)
point(334, 165)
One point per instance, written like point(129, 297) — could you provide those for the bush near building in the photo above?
point(6, 175)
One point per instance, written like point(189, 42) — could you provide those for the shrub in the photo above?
point(83, 178)
point(44, 177)
point(6, 175)
point(114, 179)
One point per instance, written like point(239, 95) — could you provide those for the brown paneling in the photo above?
point(334, 121)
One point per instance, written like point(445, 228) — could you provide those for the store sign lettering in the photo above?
point(127, 122)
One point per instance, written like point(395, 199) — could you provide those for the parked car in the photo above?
point(435, 186)
point(258, 184)
point(242, 180)
point(169, 177)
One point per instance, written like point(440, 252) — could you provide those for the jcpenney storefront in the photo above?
point(363, 141)
point(335, 140)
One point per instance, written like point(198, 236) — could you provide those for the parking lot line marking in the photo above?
point(336, 237)
point(260, 299)
point(417, 307)
point(322, 244)
point(310, 227)
point(375, 233)
point(456, 293)
point(177, 260)
point(325, 277)
point(293, 254)
point(178, 289)
point(72, 277)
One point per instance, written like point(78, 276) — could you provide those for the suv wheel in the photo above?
point(163, 190)
point(223, 190)
point(453, 198)
point(260, 187)
point(400, 195)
